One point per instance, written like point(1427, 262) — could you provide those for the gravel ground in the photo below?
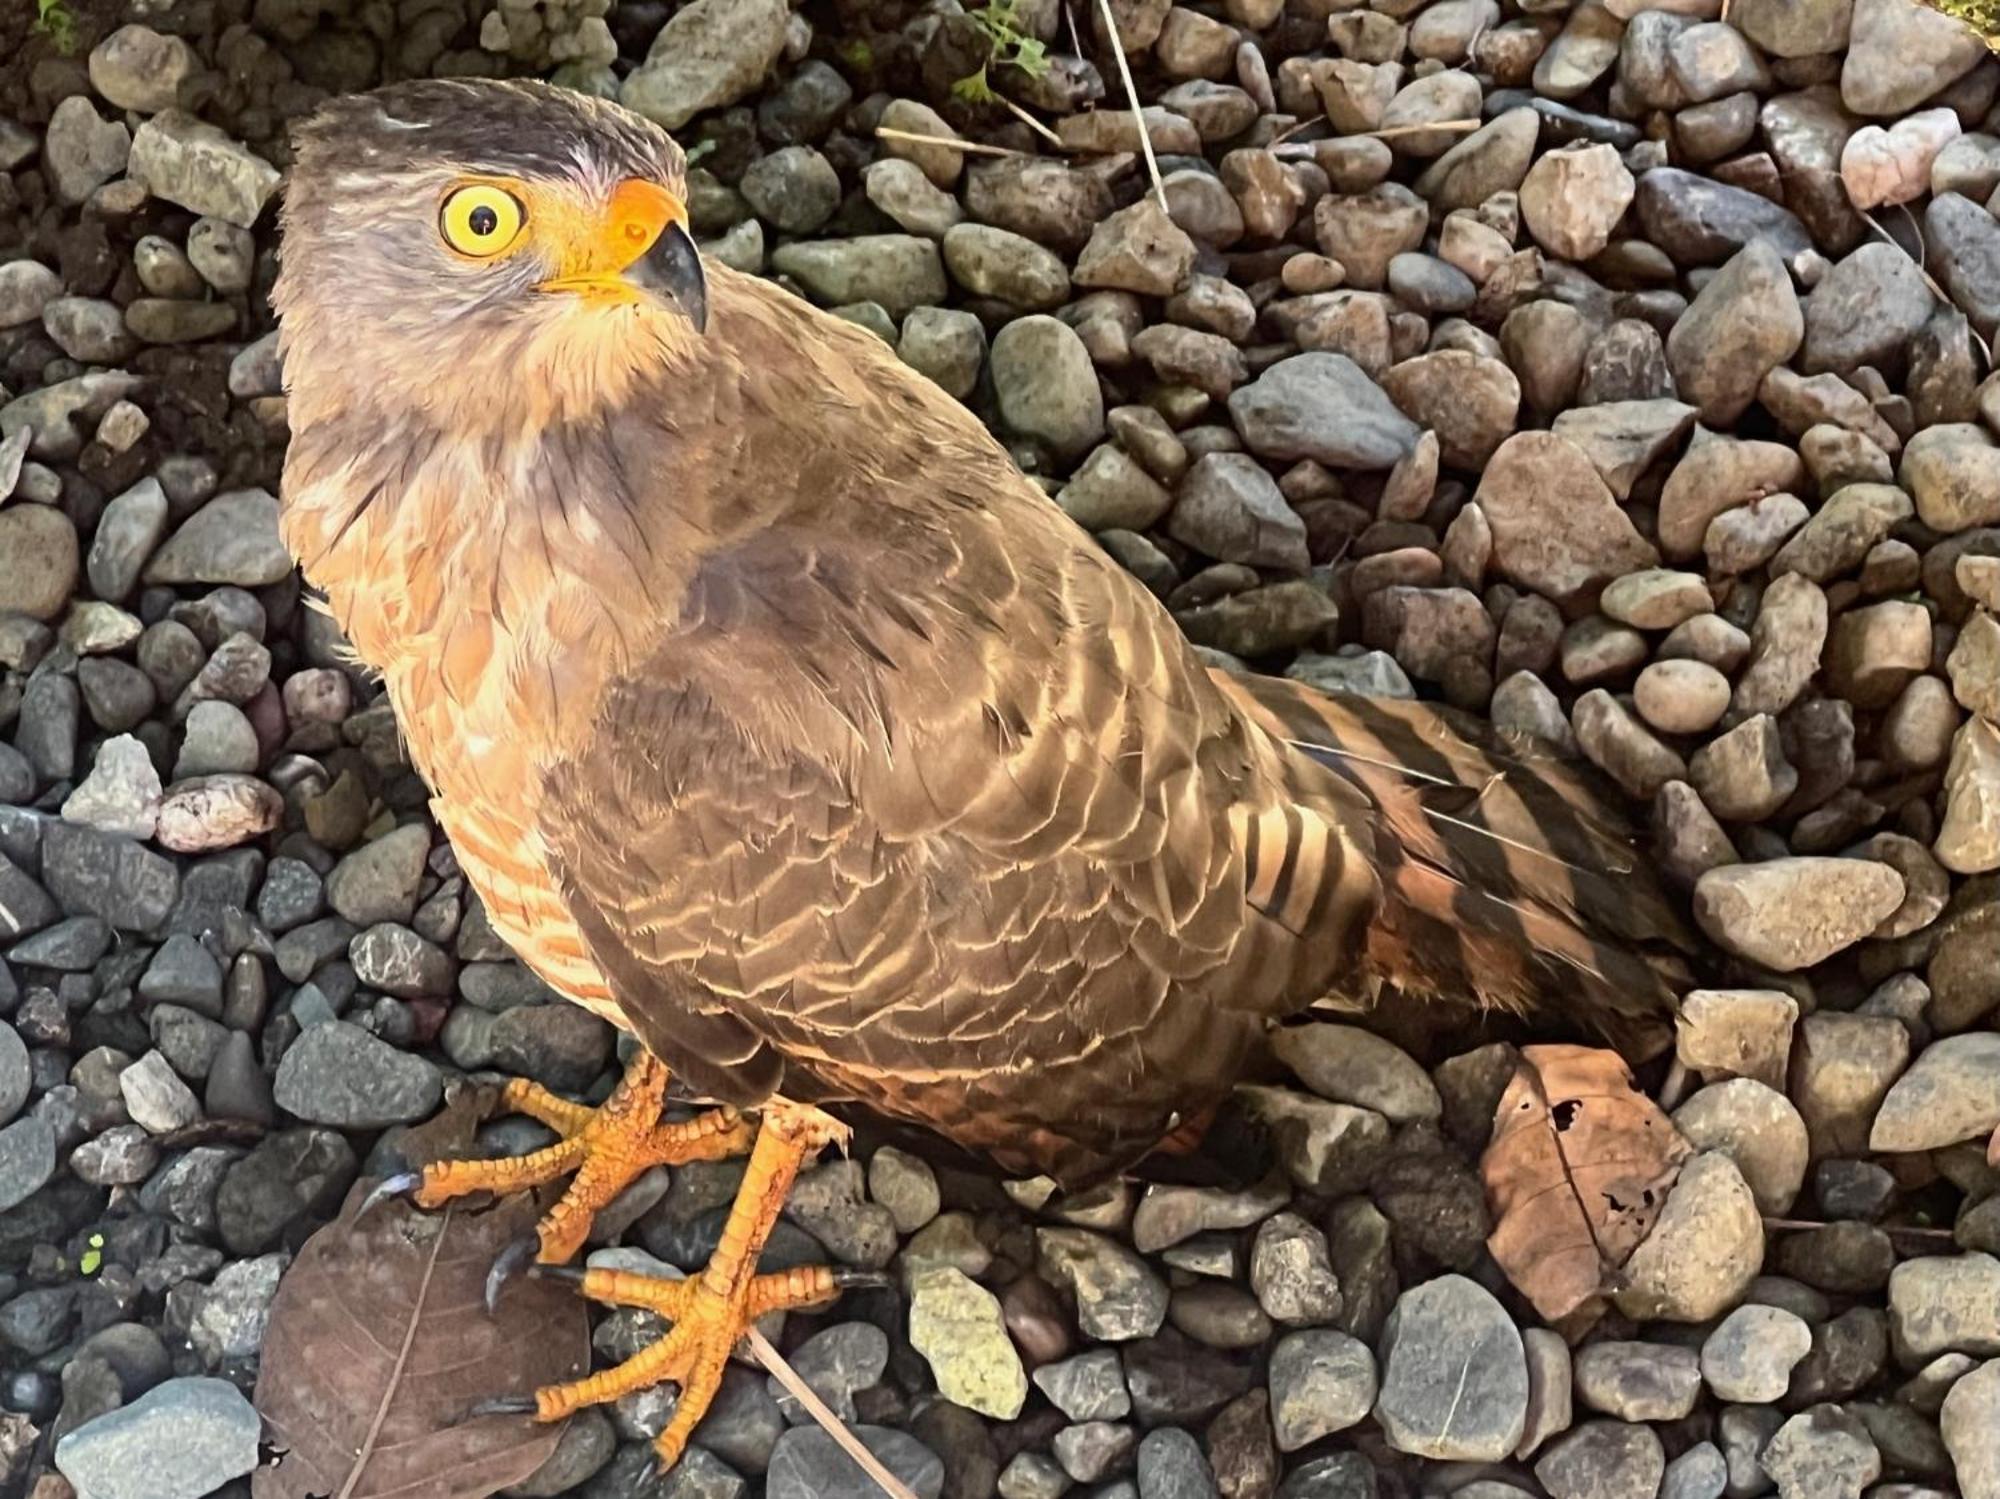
point(1613, 370)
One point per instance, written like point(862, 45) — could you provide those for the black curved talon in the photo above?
point(508, 1263)
point(402, 1184)
point(845, 1279)
point(573, 1274)
point(504, 1405)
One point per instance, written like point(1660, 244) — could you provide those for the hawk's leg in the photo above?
point(606, 1147)
point(712, 1311)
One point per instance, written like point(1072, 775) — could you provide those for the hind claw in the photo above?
point(505, 1405)
point(508, 1263)
point(846, 1279)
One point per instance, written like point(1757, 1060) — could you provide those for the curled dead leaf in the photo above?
point(448, 1134)
point(1578, 1169)
point(380, 1344)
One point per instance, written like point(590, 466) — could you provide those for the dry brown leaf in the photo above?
point(380, 1343)
point(1579, 1167)
point(448, 1134)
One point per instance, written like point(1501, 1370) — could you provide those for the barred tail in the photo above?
point(1510, 878)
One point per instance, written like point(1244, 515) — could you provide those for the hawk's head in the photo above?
point(447, 239)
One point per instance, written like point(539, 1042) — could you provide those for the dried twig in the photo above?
point(1389, 133)
point(1923, 270)
point(834, 1427)
point(1294, 128)
point(1395, 132)
point(1030, 121)
point(1132, 98)
point(980, 148)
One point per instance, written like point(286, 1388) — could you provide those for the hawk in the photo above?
point(776, 717)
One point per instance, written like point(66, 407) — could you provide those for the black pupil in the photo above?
point(483, 221)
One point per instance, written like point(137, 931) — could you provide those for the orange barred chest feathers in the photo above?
point(523, 907)
point(464, 683)
point(486, 785)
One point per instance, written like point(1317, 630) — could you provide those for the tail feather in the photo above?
point(1510, 877)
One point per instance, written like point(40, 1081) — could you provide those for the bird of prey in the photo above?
point(779, 719)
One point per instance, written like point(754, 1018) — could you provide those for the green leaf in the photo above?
point(1031, 56)
point(973, 88)
point(55, 21)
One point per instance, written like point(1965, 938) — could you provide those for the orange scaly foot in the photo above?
point(606, 1147)
point(710, 1312)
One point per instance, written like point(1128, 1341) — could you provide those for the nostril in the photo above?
point(635, 231)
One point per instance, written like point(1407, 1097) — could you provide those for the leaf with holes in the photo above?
point(380, 1344)
point(1577, 1172)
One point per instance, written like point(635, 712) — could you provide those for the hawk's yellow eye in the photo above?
point(481, 220)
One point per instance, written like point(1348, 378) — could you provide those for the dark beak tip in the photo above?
point(672, 269)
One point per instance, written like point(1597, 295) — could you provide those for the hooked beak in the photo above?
point(672, 269)
point(639, 250)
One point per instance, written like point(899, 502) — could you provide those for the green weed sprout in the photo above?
point(1009, 46)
